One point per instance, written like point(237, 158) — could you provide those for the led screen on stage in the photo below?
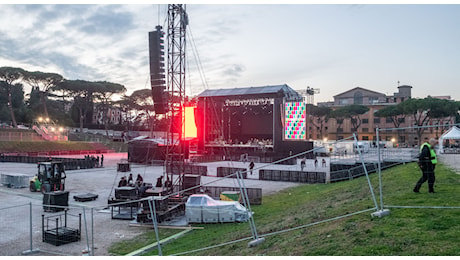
point(294, 121)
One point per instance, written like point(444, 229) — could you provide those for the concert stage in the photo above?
point(254, 120)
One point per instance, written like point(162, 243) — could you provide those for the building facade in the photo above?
point(369, 122)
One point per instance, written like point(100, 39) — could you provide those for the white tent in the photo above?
point(453, 133)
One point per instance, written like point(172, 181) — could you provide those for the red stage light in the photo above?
point(189, 121)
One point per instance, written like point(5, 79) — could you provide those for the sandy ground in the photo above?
point(100, 181)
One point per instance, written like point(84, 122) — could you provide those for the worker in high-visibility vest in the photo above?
point(427, 161)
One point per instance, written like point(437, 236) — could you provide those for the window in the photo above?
point(339, 130)
point(365, 121)
point(343, 101)
point(365, 130)
point(373, 100)
point(388, 120)
point(376, 120)
point(402, 120)
point(358, 98)
point(365, 138)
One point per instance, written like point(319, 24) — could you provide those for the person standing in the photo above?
point(102, 160)
point(251, 167)
point(427, 163)
point(302, 164)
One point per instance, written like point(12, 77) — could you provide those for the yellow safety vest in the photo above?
point(433, 157)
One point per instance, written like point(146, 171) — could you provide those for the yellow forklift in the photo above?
point(51, 177)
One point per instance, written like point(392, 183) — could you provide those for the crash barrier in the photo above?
point(341, 172)
point(254, 194)
point(22, 136)
point(187, 168)
point(15, 180)
point(255, 157)
point(69, 163)
point(292, 176)
point(225, 171)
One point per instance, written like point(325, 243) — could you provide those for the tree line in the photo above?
point(51, 93)
point(422, 111)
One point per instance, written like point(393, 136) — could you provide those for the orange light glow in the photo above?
point(189, 121)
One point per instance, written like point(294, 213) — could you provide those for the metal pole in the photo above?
point(86, 229)
point(254, 234)
point(377, 130)
point(365, 171)
point(92, 231)
point(30, 222)
point(153, 213)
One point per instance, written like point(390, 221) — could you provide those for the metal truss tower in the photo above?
point(176, 152)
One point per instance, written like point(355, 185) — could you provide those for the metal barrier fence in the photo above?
point(385, 202)
point(69, 163)
point(16, 229)
point(91, 229)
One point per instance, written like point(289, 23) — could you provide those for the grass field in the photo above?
point(406, 231)
point(21, 146)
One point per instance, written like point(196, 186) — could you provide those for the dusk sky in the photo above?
point(330, 47)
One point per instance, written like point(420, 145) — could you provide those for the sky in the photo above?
point(331, 47)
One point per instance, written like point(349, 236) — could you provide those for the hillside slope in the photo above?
point(406, 231)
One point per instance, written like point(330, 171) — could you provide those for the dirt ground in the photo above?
point(99, 181)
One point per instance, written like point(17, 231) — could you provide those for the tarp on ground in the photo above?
point(200, 208)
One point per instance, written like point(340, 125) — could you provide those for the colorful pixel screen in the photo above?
point(295, 121)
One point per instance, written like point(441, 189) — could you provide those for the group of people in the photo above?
point(95, 162)
point(129, 182)
point(252, 141)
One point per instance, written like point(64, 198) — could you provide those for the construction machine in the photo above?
point(51, 177)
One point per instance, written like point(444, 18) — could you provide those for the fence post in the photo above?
point(365, 171)
point(31, 250)
point(377, 130)
point(153, 213)
point(92, 231)
point(30, 228)
point(256, 239)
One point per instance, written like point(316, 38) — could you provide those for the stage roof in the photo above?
point(288, 91)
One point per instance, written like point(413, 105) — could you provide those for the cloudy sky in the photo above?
point(330, 47)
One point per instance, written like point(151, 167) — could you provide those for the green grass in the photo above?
point(17, 146)
point(144, 239)
point(406, 231)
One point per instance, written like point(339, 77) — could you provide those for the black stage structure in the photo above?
point(246, 120)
